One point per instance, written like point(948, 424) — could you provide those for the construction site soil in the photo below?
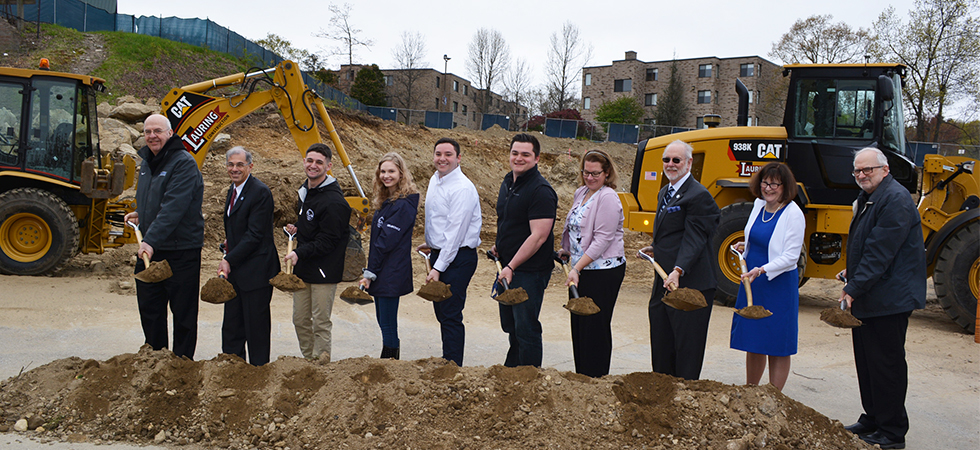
point(359, 403)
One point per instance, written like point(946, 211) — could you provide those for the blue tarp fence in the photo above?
point(383, 112)
point(624, 133)
point(563, 128)
point(200, 32)
point(490, 120)
point(436, 119)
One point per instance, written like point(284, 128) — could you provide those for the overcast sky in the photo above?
point(656, 30)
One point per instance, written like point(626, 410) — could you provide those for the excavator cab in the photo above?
point(833, 110)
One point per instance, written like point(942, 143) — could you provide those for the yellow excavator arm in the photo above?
point(197, 117)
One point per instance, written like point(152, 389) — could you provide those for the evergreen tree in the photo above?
point(369, 86)
point(671, 108)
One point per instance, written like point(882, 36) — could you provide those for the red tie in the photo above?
point(234, 194)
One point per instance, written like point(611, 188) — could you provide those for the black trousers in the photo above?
point(678, 338)
point(883, 373)
point(592, 335)
point(248, 321)
point(449, 312)
point(180, 293)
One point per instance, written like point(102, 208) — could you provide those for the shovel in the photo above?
point(583, 306)
point(218, 290)
point(433, 291)
point(510, 296)
point(751, 311)
point(285, 280)
point(840, 318)
point(684, 299)
point(155, 271)
point(356, 295)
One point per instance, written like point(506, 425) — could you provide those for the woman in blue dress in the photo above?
point(774, 239)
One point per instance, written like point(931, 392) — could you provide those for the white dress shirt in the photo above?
point(452, 216)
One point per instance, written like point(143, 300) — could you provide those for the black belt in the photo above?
point(434, 253)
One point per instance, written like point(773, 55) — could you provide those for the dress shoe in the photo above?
point(882, 441)
point(861, 429)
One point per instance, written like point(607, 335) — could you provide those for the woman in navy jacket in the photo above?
point(388, 275)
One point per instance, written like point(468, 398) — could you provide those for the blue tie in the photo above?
point(667, 196)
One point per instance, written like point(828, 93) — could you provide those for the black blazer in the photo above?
point(682, 234)
point(251, 249)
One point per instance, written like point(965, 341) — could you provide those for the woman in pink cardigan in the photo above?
point(593, 242)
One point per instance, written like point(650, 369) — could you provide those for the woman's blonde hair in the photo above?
point(404, 188)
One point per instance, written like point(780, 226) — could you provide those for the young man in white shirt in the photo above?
point(452, 233)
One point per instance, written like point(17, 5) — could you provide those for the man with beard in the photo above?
point(686, 219)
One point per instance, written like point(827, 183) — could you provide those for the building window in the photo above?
point(466, 89)
point(588, 79)
point(650, 100)
point(455, 86)
point(749, 123)
point(652, 75)
point(649, 121)
point(746, 70)
point(623, 85)
point(455, 106)
point(587, 103)
point(389, 80)
point(437, 81)
point(700, 123)
point(704, 97)
point(750, 96)
point(464, 109)
point(704, 71)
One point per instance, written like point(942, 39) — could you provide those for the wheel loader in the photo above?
point(831, 111)
point(59, 192)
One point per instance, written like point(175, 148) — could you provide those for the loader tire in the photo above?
point(957, 276)
point(731, 229)
point(38, 232)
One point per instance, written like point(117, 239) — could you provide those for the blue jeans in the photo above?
point(520, 321)
point(387, 311)
point(449, 312)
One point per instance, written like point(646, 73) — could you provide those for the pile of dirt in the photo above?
point(361, 403)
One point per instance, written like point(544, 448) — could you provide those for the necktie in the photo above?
point(667, 196)
point(234, 194)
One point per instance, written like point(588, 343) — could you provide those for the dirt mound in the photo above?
point(360, 403)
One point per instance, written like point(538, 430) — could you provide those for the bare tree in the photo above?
point(517, 82)
point(282, 47)
point(342, 30)
point(566, 57)
point(409, 58)
point(487, 60)
point(939, 46)
point(816, 40)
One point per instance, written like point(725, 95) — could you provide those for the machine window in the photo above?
point(11, 106)
point(51, 141)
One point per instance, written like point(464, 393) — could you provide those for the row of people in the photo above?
point(169, 198)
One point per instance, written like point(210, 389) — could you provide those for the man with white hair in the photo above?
point(886, 281)
point(169, 195)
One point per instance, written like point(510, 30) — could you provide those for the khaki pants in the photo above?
point(311, 317)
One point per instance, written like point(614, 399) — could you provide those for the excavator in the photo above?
point(832, 110)
point(60, 193)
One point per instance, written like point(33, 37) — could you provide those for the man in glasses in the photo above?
point(169, 195)
point(886, 281)
point(686, 219)
point(249, 262)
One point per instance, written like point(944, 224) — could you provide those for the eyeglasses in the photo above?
point(866, 170)
point(238, 165)
point(675, 160)
point(587, 174)
point(766, 184)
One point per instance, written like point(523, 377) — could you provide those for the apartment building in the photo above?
point(708, 84)
point(431, 90)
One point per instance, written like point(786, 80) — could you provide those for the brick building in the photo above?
point(708, 83)
point(431, 90)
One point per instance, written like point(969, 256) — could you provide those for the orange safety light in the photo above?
point(44, 64)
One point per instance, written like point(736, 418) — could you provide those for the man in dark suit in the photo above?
point(686, 219)
point(250, 261)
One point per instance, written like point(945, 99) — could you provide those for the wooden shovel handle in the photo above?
point(660, 271)
point(428, 264)
point(139, 241)
point(289, 249)
point(499, 270)
point(746, 282)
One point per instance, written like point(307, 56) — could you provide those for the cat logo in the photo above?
point(180, 107)
point(769, 151)
point(762, 150)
